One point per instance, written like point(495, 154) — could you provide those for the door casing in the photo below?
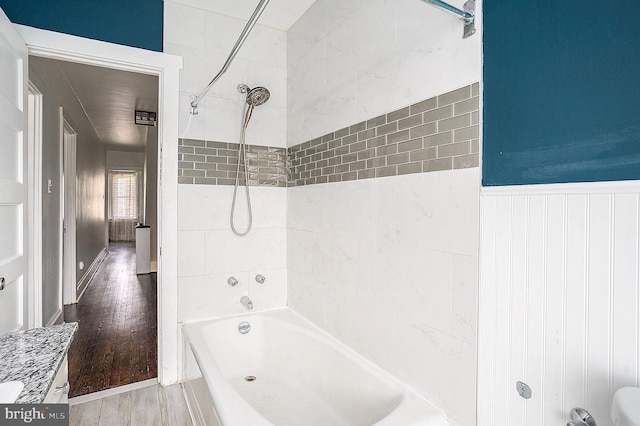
point(166, 67)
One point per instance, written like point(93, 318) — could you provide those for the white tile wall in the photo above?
point(387, 265)
point(559, 301)
point(205, 40)
point(407, 304)
point(208, 252)
point(353, 60)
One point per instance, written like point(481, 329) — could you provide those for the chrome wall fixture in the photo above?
point(467, 15)
point(243, 36)
point(581, 417)
point(246, 302)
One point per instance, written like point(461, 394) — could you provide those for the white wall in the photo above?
point(559, 301)
point(209, 253)
point(389, 265)
point(208, 250)
point(350, 60)
point(204, 39)
point(347, 61)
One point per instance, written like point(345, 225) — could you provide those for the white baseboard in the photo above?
point(56, 318)
point(91, 271)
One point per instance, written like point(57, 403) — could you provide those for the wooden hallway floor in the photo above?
point(116, 342)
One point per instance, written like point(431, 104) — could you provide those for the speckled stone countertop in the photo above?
point(34, 358)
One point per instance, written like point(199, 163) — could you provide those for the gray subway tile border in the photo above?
point(439, 133)
point(215, 163)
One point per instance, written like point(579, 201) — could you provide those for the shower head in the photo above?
point(257, 96)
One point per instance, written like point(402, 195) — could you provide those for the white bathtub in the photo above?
point(303, 377)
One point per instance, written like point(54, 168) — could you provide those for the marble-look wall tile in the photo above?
point(377, 56)
point(441, 219)
point(199, 66)
point(261, 248)
point(306, 297)
point(205, 40)
point(426, 63)
point(183, 25)
point(439, 366)
point(367, 328)
point(269, 207)
point(210, 296)
point(273, 292)
point(465, 298)
point(209, 253)
point(190, 253)
point(383, 266)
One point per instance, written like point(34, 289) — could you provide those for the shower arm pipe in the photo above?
point(465, 16)
point(243, 36)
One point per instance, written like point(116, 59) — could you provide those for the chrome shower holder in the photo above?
point(467, 15)
point(469, 23)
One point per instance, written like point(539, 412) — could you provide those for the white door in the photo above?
point(14, 247)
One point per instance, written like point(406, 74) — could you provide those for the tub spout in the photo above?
point(246, 302)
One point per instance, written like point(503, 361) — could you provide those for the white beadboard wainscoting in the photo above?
point(559, 300)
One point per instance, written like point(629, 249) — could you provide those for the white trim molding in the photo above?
point(56, 318)
point(86, 279)
point(167, 67)
point(35, 198)
point(68, 148)
point(613, 187)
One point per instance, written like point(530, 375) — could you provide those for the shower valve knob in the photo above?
point(232, 281)
point(260, 278)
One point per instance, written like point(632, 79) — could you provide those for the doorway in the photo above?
point(166, 67)
point(68, 210)
point(91, 110)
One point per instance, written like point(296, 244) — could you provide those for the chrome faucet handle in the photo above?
point(246, 302)
point(581, 417)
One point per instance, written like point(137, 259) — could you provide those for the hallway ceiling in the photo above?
point(280, 14)
point(110, 97)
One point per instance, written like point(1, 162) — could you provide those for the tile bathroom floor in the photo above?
point(149, 406)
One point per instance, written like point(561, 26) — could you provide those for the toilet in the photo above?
point(625, 407)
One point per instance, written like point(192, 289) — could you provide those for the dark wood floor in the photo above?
point(116, 342)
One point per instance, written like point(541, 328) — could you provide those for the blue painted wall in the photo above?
point(131, 23)
point(561, 91)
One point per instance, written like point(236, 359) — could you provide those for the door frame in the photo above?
point(34, 106)
point(166, 67)
point(68, 143)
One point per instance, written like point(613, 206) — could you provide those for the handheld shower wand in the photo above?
point(255, 97)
